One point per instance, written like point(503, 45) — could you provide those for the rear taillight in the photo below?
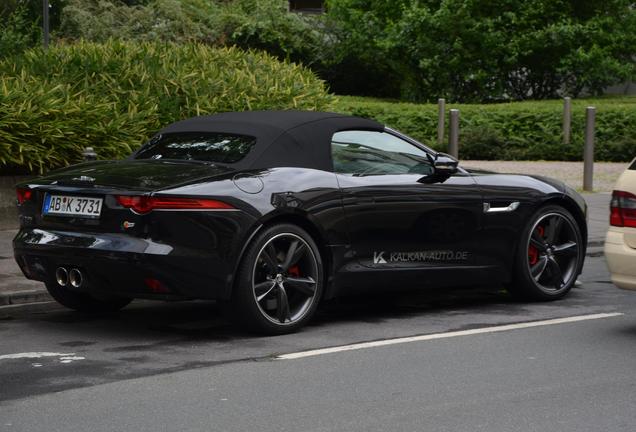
point(623, 209)
point(23, 195)
point(146, 204)
point(155, 285)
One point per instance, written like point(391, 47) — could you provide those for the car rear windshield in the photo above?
point(633, 166)
point(208, 147)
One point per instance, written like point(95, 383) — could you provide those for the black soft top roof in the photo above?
point(283, 138)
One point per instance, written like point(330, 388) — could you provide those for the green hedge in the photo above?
point(513, 131)
point(113, 96)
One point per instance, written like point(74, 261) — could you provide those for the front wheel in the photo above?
point(279, 282)
point(549, 257)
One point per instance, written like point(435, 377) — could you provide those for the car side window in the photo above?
point(360, 153)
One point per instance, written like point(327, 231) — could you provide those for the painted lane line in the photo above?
point(495, 329)
point(70, 359)
point(33, 355)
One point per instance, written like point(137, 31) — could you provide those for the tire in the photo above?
point(83, 302)
point(279, 281)
point(549, 256)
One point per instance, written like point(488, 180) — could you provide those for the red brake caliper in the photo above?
point(533, 253)
point(294, 271)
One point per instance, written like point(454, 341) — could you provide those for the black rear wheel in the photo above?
point(279, 282)
point(83, 302)
point(549, 257)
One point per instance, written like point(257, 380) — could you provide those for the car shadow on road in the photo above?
point(379, 307)
point(184, 322)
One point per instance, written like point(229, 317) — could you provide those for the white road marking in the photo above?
point(69, 359)
point(495, 329)
point(32, 355)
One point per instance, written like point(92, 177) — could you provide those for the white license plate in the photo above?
point(65, 205)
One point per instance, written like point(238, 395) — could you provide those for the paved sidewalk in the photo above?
point(15, 289)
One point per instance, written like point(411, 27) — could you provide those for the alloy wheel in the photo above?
point(284, 279)
point(553, 252)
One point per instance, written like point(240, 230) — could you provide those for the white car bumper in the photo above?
point(621, 258)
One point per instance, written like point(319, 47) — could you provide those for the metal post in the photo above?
point(588, 150)
point(567, 119)
point(45, 22)
point(453, 134)
point(441, 114)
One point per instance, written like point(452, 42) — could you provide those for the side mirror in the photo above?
point(445, 165)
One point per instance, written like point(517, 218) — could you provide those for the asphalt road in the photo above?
point(181, 366)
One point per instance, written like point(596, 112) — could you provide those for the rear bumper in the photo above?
point(621, 259)
point(120, 264)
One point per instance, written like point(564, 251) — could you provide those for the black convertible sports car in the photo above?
point(274, 211)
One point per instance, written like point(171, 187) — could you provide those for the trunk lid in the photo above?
point(103, 180)
point(132, 175)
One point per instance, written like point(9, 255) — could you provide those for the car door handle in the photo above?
point(512, 207)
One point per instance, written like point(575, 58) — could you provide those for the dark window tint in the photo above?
point(209, 147)
point(633, 165)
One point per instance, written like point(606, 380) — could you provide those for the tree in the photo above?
point(360, 59)
point(18, 29)
point(476, 50)
point(21, 21)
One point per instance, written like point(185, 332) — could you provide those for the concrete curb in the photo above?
point(24, 297)
point(14, 311)
point(16, 303)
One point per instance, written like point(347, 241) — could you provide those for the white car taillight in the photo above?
point(623, 209)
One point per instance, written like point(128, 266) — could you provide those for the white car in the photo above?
point(620, 243)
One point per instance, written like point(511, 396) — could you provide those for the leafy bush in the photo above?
point(513, 131)
point(113, 96)
point(249, 24)
point(165, 20)
point(267, 25)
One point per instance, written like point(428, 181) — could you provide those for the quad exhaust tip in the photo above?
point(61, 276)
point(75, 278)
